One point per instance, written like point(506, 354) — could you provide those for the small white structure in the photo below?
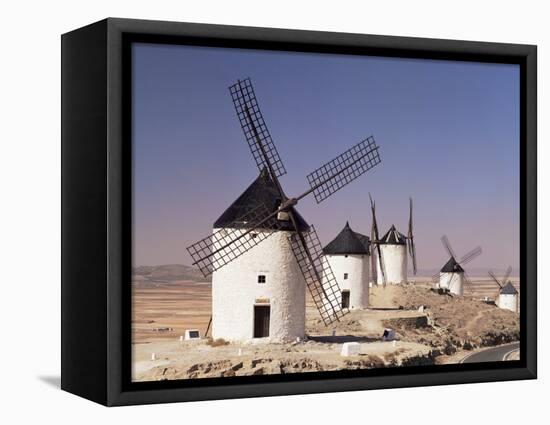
point(349, 258)
point(508, 298)
point(261, 294)
point(451, 277)
point(350, 349)
point(388, 335)
point(393, 247)
point(192, 334)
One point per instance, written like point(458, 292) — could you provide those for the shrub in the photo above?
point(217, 342)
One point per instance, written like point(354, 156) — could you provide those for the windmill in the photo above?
point(452, 276)
point(349, 255)
point(261, 221)
point(507, 294)
point(389, 256)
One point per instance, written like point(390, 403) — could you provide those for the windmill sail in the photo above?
point(318, 275)
point(373, 274)
point(507, 275)
point(376, 241)
point(227, 244)
point(495, 278)
point(410, 237)
point(254, 127)
point(447, 245)
point(466, 258)
point(343, 169)
point(468, 281)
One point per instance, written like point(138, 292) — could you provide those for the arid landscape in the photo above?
point(430, 328)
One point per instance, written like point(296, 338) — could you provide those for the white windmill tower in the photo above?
point(262, 253)
point(508, 294)
point(265, 280)
point(452, 276)
point(349, 257)
point(389, 259)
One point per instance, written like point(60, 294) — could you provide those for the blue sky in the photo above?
point(448, 134)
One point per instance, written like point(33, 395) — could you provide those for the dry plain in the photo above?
point(447, 328)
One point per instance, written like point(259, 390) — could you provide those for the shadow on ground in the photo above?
point(54, 381)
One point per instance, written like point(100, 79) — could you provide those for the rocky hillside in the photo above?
point(419, 315)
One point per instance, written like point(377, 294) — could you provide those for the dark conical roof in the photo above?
point(348, 242)
point(509, 289)
point(452, 266)
point(261, 191)
point(393, 237)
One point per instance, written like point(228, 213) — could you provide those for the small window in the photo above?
point(261, 278)
point(345, 276)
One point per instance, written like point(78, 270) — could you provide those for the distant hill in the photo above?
point(167, 273)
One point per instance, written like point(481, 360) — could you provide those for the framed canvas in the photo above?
point(252, 212)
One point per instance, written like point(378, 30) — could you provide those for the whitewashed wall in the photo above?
point(357, 268)
point(235, 291)
point(508, 302)
point(395, 264)
point(454, 282)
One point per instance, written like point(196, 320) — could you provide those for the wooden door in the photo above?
point(261, 321)
point(345, 299)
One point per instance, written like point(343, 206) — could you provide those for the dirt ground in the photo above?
point(165, 311)
point(443, 329)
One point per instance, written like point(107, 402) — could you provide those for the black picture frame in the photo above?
point(96, 211)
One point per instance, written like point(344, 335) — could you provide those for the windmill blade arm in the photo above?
point(225, 245)
point(507, 275)
point(470, 256)
point(410, 235)
point(468, 281)
point(382, 264)
point(254, 127)
point(447, 245)
point(375, 237)
point(495, 278)
point(373, 271)
point(343, 169)
point(374, 223)
point(412, 253)
point(318, 275)
point(376, 243)
point(450, 282)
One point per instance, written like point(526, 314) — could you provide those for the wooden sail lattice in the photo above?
point(254, 127)
point(345, 168)
point(318, 275)
point(227, 244)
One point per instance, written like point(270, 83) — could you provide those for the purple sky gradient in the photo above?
point(448, 134)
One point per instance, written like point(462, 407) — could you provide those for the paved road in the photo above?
point(494, 354)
